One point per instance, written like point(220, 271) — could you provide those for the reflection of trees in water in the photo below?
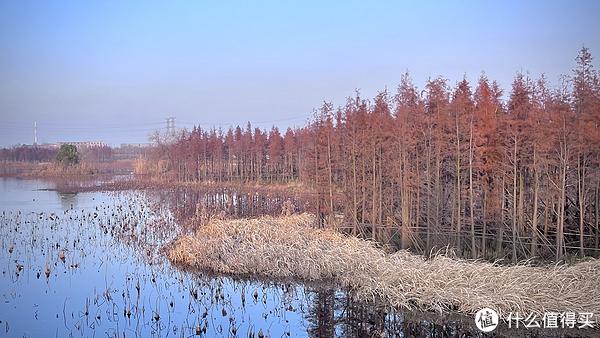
point(240, 202)
point(333, 314)
point(321, 314)
point(67, 200)
point(359, 320)
point(336, 314)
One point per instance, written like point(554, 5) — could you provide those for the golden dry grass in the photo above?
point(288, 247)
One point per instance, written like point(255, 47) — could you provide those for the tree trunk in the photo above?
point(354, 191)
point(597, 216)
point(330, 176)
point(484, 220)
point(514, 206)
point(471, 202)
point(500, 237)
point(562, 199)
point(534, 219)
point(581, 196)
point(458, 203)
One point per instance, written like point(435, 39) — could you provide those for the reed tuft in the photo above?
point(289, 247)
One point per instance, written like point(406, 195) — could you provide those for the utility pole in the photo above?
point(35, 133)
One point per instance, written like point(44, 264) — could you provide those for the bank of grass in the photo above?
point(84, 169)
point(288, 247)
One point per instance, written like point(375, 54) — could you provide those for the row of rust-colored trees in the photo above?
point(443, 166)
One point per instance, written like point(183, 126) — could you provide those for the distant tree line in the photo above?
point(96, 154)
point(27, 154)
point(428, 168)
point(32, 153)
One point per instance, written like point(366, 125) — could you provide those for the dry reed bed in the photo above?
point(289, 247)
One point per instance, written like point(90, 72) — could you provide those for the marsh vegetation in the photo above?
point(87, 264)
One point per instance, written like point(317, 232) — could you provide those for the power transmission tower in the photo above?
point(35, 133)
point(171, 126)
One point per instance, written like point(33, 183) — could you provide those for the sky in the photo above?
point(115, 70)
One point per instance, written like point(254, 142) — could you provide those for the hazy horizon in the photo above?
point(114, 71)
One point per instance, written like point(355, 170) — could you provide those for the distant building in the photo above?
point(134, 145)
point(86, 144)
point(47, 146)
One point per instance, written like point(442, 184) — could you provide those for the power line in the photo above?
point(232, 123)
point(137, 126)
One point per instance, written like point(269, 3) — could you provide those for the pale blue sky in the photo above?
point(114, 70)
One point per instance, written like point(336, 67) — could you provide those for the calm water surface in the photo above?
point(89, 265)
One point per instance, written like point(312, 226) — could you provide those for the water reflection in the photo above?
point(67, 200)
point(321, 314)
point(96, 269)
point(222, 202)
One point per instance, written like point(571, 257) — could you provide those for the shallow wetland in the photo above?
point(91, 264)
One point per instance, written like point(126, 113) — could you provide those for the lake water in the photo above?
point(89, 265)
